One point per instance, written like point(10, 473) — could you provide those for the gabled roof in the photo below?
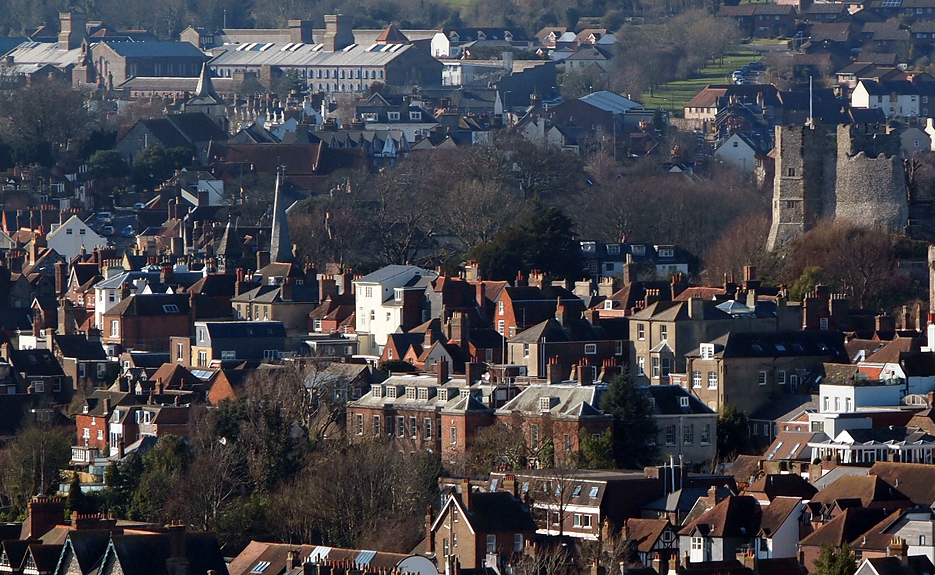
point(915, 480)
point(79, 347)
point(788, 485)
point(497, 512)
point(35, 362)
point(734, 516)
point(392, 35)
point(845, 528)
point(913, 565)
point(157, 305)
point(777, 513)
point(871, 490)
point(646, 532)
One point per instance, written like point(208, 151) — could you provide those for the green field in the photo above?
point(674, 95)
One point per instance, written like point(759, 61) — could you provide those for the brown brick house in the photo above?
point(474, 526)
point(146, 322)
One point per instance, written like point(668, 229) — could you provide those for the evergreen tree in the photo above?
point(831, 562)
point(733, 432)
point(634, 427)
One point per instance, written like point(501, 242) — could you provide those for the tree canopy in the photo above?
point(634, 436)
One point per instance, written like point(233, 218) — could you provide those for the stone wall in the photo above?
point(871, 191)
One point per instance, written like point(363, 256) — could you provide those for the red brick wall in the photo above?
point(92, 424)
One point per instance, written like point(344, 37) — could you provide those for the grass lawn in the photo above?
point(674, 95)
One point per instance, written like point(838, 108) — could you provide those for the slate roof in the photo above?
point(35, 362)
point(147, 554)
point(498, 512)
point(79, 347)
point(88, 546)
point(667, 400)
point(245, 329)
point(779, 344)
point(307, 55)
point(914, 565)
point(567, 400)
point(151, 305)
point(155, 49)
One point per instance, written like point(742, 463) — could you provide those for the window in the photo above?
point(688, 434)
point(417, 116)
point(518, 543)
point(57, 383)
point(706, 434)
point(69, 232)
point(790, 172)
point(400, 426)
point(228, 355)
point(100, 434)
point(655, 368)
point(761, 378)
point(641, 366)
point(590, 348)
point(545, 403)
point(556, 518)
point(921, 539)
point(423, 393)
point(640, 331)
point(202, 358)
point(413, 428)
point(86, 433)
point(696, 543)
point(666, 366)
point(712, 380)
point(393, 116)
point(525, 350)
point(499, 308)
point(534, 436)
point(500, 326)
point(670, 435)
point(115, 328)
point(781, 377)
point(377, 428)
point(618, 347)
point(179, 350)
point(38, 386)
point(427, 424)
point(453, 435)
point(170, 308)
point(683, 401)
point(696, 379)
point(707, 350)
point(663, 330)
point(823, 322)
point(360, 423)
point(260, 567)
point(491, 544)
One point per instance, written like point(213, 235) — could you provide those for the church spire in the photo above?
point(205, 86)
point(280, 249)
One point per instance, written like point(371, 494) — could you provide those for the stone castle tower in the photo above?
point(853, 174)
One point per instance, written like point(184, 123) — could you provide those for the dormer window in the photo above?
point(508, 36)
point(545, 403)
point(417, 116)
point(376, 390)
point(707, 350)
point(391, 391)
point(398, 294)
point(410, 393)
point(683, 401)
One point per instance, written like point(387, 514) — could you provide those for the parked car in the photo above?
point(138, 206)
point(104, 217)
point(128, 232)
point(107, 230)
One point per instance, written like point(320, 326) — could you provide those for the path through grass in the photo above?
point(674, 95)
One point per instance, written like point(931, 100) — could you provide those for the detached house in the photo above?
point(474, 526)
point(724, 530)
point(387, 299)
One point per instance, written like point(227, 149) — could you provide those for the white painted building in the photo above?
point(847, 398)
point(896, 100)
point(69, 238)
point(379, 298)
point(737, 152)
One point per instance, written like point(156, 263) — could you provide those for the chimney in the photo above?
point(696, 308)
point(466, 493)
point(473, 372)
point(293, 559)
point(520, 280)
point(427, 340)
point(338, 34)
point(73, 29)
point(300, 31)
point(554, 370)
point(561, 314)
point(327, 286)
point(429, 536)
point(262, 259)
point(585, 373)
point(44, 514)
point(510, 485)
point(678, 285)
point(897, 548)
point(629, 271)
point(441, 370)
point(106, 405)
point(176, 540)
point(61, 278)
point(285, 291)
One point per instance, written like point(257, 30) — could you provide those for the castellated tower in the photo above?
point(871, 179)
point(801, 179)
point(855, 175)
